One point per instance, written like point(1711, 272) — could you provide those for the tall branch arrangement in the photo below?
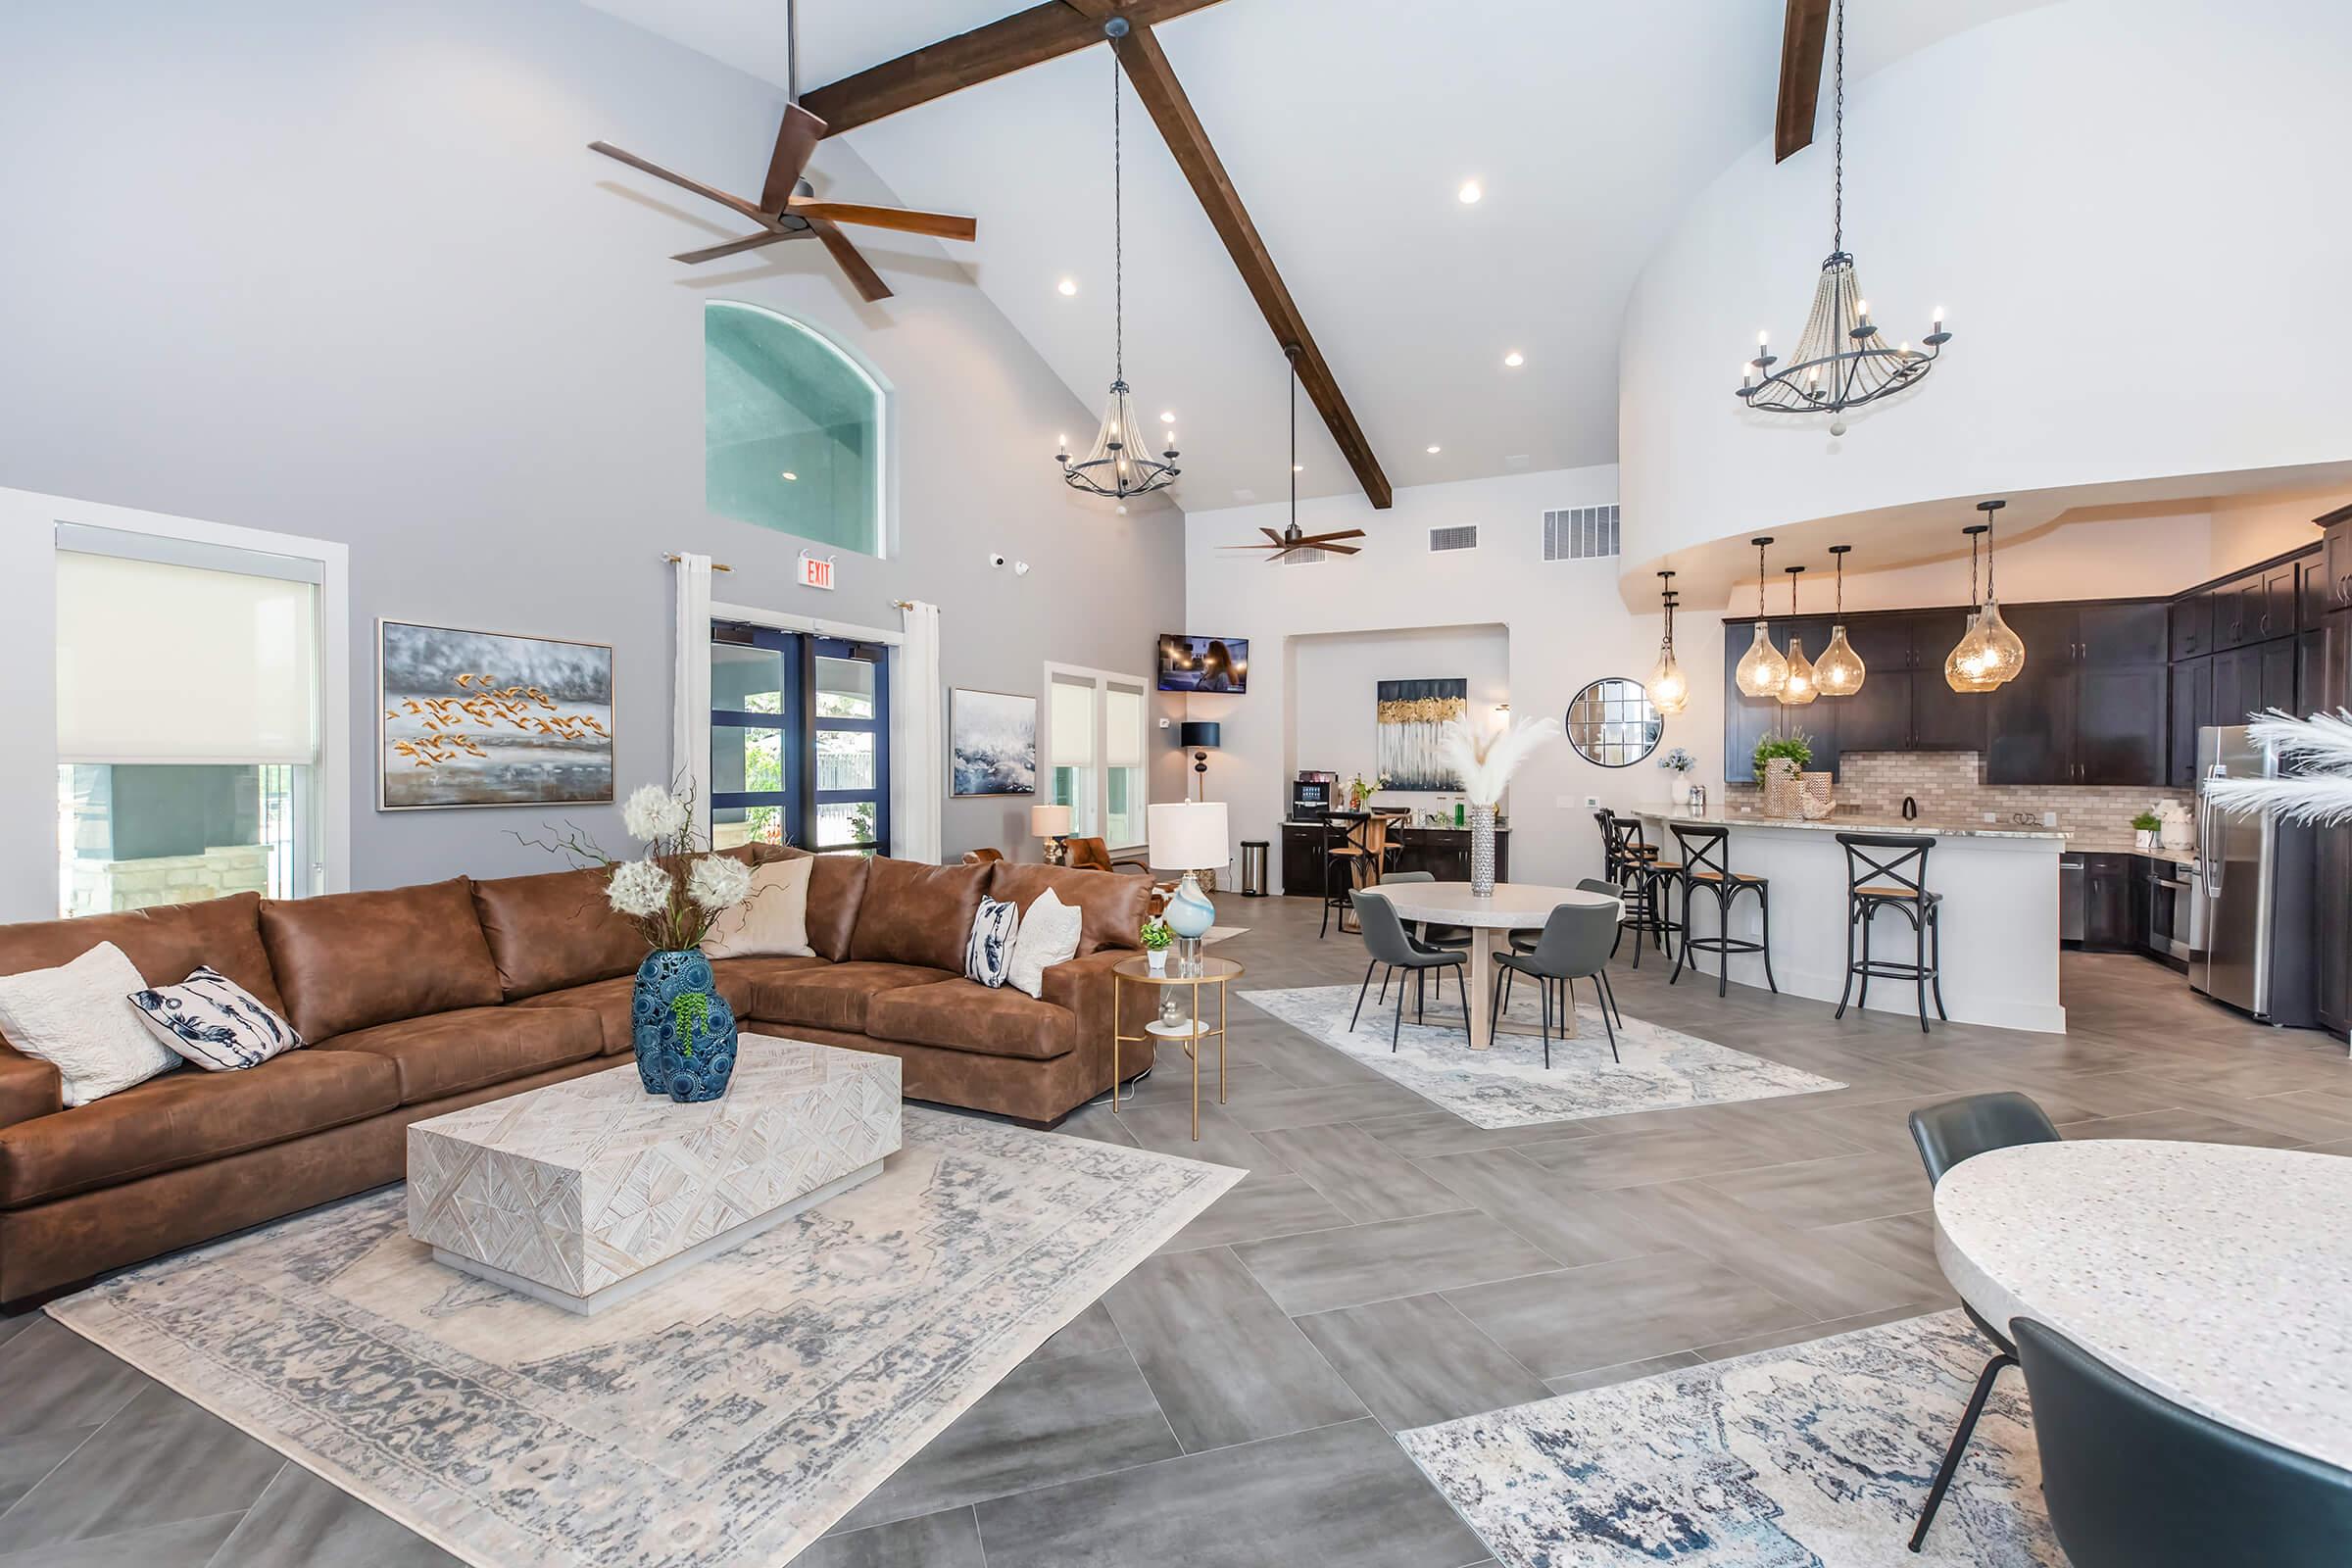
point(2321, 794)
point(1484, 763)
point(672, 892)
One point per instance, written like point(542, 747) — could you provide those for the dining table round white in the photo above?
point(2217, 1276)
point(1512, 907)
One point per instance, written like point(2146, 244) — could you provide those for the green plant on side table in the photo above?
point(1795, 747)
point(1155, 937)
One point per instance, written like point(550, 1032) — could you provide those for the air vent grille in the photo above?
point(1580, 533)
point(1464, 537)
point(1303, 558)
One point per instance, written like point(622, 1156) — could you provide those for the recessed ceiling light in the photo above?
point(788, 474)
point(1514, 359)
point(1067, 286)
point(1470, 192)
point(1433, 451)
point(1168, 418)
point(1298, 468)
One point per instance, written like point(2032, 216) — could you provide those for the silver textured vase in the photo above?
point(1482, 851)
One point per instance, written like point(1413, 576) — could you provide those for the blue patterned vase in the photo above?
point(683, 1029)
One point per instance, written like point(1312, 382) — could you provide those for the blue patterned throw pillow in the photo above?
point(215, 1022)
point(987, 956)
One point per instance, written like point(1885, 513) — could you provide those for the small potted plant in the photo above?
point(1679, 762)
point(1779, 758)
point(1155, 937)
point(2145, 830)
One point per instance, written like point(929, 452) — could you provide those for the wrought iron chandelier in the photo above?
point(1842, 361)
point(1111, 467)
point(1988, 654)
point(1800, 687)
point(1668, 687)
point(1762, 671)
point(1838, 671)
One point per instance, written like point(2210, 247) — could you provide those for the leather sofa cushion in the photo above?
point(1111, 903)
point(350, 960)
point(834, 996)
point(555, 930)
point(965, 1016)
point(450, 1052)
point(165, 944)
point(613, 1001)
point(917, 913)
point(186, 1117)
point(836, 890)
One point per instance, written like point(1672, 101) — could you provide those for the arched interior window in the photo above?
point(792, 429)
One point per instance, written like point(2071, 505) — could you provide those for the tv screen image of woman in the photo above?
point(1203, 663)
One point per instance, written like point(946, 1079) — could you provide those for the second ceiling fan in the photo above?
point(1292, 538)
point(788, 207)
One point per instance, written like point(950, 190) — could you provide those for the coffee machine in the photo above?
point(1312, 793)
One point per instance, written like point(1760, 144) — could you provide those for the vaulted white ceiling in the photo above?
point(1348, 128)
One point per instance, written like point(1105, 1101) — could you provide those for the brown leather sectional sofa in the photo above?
point(423, 1000)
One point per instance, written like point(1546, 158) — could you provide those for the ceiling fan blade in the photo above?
point(1344, 533)
point(749, 242)
point(1341, 549)
point(796, 144)
point(712, 192)
point(862, 273)
point(1270, 533)
point(940, 226)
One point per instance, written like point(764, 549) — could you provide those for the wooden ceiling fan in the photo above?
point(788, 207)
point(1293, 537)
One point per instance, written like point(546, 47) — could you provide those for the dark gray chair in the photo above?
point(1947, 1134)
point(1525, 942)
point(2135, 1481)
point(1423, 931)
point(1575, 946)
point(1388, 941)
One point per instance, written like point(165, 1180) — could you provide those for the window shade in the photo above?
point(161, 662)
point(1122, 727)
point(1073, 725)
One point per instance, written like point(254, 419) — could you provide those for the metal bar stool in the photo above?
point(1342, 850)
point(1707, 866)
point(1889, 871)
point(1647, 881)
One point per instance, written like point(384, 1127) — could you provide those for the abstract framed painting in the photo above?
point(1411, 716)
point(490, 718)
point(992, 743)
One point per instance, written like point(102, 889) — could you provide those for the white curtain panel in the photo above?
point(917, 769)
point(690, 708)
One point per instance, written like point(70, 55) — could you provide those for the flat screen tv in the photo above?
point(1203, 663)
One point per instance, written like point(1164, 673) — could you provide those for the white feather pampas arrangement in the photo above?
point(1486, 762)
point(2321, 794)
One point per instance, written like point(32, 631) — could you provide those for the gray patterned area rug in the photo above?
point(1817, 1455)
point(723, 1420)
point(1663, 1069)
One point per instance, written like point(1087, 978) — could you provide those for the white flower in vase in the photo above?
point(639, 889)
point(1486, 762)
point(719, 882)
point(654, 813)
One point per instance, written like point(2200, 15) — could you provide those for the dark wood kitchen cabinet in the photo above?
point(2031, 737)
point(2278, 602)
point(2248, 680)
point(1878, 718)
point(1748, 720)
point(1941, 718)
point(2192, 626)
point(2114, 902)
point(2192, 710)
point(2092, 704)
point(2332, 955)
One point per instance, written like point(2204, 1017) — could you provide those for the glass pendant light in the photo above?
point(1838, 671)
point(1965, 668)
point(1762, 671)
point(1668, 687)
point(2002, 650)
point(1800, 687)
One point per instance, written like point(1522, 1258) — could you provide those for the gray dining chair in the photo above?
point(1427, 933)
point(1575, 946)
point(1524, 941)
point(2134, 1481)
point(1388, 941)
point(1946, 1134)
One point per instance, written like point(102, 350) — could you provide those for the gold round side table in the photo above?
point(1137, 971)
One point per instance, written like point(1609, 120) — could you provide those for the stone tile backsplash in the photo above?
point(1949, 788)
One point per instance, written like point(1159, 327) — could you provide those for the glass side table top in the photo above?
point(1213, 971)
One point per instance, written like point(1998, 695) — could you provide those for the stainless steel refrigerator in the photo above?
point(2255, 874)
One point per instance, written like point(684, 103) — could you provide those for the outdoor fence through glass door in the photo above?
point(799, 740)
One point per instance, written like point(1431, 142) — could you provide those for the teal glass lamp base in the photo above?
point(1189, 913)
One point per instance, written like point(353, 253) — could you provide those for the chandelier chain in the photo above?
point(1118, 236)
point(1760, 611)
point(1989, 595)
point(1837, 152)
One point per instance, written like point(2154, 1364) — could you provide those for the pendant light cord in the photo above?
point(1118, 237)
point(1838, 156)
point(1294, 359)
point(1974, 602)
point(1761, 612)
point(1989, 596)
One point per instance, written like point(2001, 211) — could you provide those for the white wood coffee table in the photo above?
point(586, 1192)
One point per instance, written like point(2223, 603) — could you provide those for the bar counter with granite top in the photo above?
point(1999, 883)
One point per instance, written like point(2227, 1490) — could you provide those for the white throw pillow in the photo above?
point(772, 920)
point(78, 1018)
point(988, 953)
point(213, 1022)
point(1048, 935)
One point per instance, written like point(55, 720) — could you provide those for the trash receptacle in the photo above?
point(1254, 869)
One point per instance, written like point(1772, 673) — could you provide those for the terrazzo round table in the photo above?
point(1512, 906)
point(2216, 1276)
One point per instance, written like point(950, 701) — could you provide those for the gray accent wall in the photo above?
point(348, 271)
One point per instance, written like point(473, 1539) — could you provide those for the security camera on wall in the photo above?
point(996, 557)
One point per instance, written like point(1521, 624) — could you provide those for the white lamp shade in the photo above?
point(1187, 836)
point(1049, 821)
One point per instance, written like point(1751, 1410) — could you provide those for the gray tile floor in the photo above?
point(1384, 1265)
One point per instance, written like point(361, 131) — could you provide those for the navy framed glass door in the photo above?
point(799, 740)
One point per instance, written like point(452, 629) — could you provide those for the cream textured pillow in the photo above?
point(1048, 936)
point(78, 1018)
point(772, 921)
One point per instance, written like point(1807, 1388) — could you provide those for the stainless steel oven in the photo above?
point(2176, 911)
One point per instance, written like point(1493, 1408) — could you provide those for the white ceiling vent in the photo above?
point(1304, 558)
point(1464, 537)
point(1580, 533)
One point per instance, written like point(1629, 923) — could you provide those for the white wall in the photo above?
point(1333, 683)
point(2128, 207)
point(1564, 621)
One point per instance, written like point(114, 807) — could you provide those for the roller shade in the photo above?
point(1122, 727)
point(169, 662)
point(1073, 725)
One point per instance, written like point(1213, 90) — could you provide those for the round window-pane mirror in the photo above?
point(1614, 724)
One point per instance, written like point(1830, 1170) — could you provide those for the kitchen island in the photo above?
point(2000, 913)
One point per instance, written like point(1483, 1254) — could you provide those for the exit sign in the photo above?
point(816, 571)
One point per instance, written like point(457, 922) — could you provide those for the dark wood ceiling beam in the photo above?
point(1804, 37)
point(1012, 43)
point(1156, 83)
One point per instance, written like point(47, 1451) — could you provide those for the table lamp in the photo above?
point(1052, 824)
point(1188, 837)
point(1199, 738)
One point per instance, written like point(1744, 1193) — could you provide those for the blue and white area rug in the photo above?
point(1817, 1455)
point(1508, 1086)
